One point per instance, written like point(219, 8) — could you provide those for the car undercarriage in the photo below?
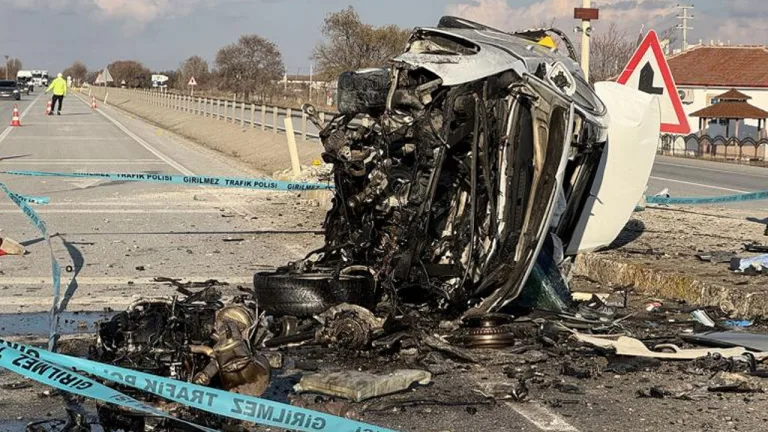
point(449, 177)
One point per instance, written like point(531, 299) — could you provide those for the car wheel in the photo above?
point(306, 294)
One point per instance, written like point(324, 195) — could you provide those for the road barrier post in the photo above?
point(234, 108)
point(289, 114)
point(218, 109)
point(274, 119)
point(242, 114)
point(253, 116)
point(292, 149)
point(263, 117)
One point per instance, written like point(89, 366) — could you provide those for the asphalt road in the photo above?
point(117, 236)
point(690, 177)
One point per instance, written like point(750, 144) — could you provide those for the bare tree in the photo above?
point(77, 71)
point(134, 73)
point(14, 66)
point(609, 54)
point(350, 44)
point(250, 65)
point(91, 76)
point(196, 67)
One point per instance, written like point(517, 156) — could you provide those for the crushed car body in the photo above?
point(454, 167)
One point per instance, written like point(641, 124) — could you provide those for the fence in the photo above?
point(746, 150)
point(268, 118)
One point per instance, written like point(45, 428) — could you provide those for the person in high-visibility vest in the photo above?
point(11, 247)
point(59, 87)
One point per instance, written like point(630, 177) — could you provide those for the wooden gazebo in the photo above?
point(731, 105)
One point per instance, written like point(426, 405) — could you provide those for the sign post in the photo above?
point(192, 83)
point(649, 72)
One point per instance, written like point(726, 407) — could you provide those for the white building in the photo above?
point(704, 72)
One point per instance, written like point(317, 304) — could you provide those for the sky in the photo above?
point(51, 34)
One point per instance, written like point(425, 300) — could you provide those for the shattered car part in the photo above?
point(632, 347)
point(306, 294)
point(487, 144)
point(750, 341)
point(360, 386)
point(194, 338)
point(348, 326)
point(488, 331)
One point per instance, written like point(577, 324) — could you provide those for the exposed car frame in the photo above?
point(455, 166)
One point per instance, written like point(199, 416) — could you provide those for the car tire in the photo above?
point(306, 294)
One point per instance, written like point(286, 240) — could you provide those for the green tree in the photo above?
point(350, 44)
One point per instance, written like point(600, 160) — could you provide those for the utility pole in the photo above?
point(311, 69)
point(6, 67)
point(586, 14)
point(684, 25)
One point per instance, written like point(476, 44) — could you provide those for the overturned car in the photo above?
point(455, 168)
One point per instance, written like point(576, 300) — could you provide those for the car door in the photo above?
point(633, 136)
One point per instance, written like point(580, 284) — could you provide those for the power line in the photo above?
point(684, 25)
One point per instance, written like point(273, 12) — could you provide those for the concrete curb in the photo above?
point(732, 299)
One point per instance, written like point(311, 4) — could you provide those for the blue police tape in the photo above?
point(233, 405)
point(25, 361)
point(21, 201)
point(751, 196)
point(224, 182)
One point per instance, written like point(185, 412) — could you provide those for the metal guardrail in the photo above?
point(713, 148)
point(231, 111)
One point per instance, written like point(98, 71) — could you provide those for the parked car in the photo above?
point(481, 149)
point(11, 89)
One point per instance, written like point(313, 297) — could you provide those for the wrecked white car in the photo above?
point(458, 165)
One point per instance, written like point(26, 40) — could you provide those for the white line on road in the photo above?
point(7, 281)
point(142, 204)
point(8, 130)
point(541, 417)
point(121, 210)
point(78, 160)
point(181, 168)
point(67, 138)
point(699, 185)
point(713, 170)
point(238, 209)
point(83, 162)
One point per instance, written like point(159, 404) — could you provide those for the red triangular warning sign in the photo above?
point(648, 72)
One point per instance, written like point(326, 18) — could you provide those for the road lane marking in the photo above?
point(8, 129)
point(83, 162)
point(121, 210)
point(541, 417)
point(698, 184)
point(712, 169)
point(181, 168)
point(177, 166)
point(114, 280)
point(67, 138)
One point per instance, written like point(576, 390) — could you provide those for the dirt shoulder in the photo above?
point(657, 253)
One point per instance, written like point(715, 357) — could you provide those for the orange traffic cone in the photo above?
point(15, 121)
point(10, 247)
point(93, 103)
point(48, 108)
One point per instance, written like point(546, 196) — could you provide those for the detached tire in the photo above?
point(306, 294)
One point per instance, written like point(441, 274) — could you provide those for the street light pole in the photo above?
point(586, 14)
